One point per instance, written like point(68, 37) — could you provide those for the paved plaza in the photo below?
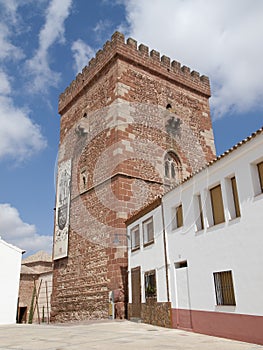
point(109, 335)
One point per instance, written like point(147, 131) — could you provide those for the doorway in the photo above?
point(22, 312)
point(184, 317)
point(136, 292)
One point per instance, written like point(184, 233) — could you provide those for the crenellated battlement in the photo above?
point(131, 52)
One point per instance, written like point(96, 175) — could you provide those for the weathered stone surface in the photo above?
point(116, 129)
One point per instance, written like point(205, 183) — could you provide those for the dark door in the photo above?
point(22, 311)
point(136, 292)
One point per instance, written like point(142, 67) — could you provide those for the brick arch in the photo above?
point(172, 168)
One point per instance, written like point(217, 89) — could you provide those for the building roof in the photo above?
point(237, 145)
point(11, 246)
point(216, 159)
point(27, 270)
point(37, 257)
point(157, 201)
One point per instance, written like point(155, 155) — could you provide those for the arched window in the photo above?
point(172, 168)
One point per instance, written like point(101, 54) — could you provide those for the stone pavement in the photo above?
point(109, 335)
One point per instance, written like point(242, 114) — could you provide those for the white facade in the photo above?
point(200, 251)
point(10, 264)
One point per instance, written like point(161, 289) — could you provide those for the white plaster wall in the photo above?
point(150, 257)
point(233, 245)
point(10, 265)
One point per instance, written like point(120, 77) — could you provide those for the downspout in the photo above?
point(165, 254)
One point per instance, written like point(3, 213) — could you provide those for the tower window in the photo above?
point(172, 168)
point(83, 179)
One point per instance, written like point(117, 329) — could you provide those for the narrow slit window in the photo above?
point(179, 216)
point(260, 174)
point(200, 216)
point(235, 196)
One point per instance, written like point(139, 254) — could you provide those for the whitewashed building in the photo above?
point(10, 264)
point(195, 255)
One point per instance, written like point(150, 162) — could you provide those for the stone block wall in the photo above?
point(116, 129)
point(156, 313)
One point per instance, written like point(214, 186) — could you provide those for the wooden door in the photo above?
point(136, 292)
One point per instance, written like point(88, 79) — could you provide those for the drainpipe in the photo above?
point(165, 254)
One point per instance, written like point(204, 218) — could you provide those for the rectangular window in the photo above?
point(198, 213)
point(224, 288)
point(150, 284)
point(217, 205)
point(181, 264)
point(260, 174)
point(135, 237)
point(235, 196)
point(177, 217)
point(148, 234)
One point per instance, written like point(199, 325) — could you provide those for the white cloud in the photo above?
point(9, 9)
point(8, 50)
point(20, 138)
point(52, 31)
point(219, 38)
point(5, 87)
point(82, 53)
point(15, 231)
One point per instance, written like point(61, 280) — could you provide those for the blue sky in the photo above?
point(44, 43)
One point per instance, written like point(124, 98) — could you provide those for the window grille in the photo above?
point(150, 284)
point(224, 288)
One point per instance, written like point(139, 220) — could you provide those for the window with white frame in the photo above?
point(150, 284)
point(257, 177)
point(224, 288)
point(177, 217)
point(235, 196)
point(198, 209)
point(260, 174)
point(135, 237)
point(148, 231)
point(217, 205)
point(233, 208)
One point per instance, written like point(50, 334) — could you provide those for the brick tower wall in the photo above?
point(119, 117)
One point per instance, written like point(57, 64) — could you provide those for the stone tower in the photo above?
point(133, 124)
